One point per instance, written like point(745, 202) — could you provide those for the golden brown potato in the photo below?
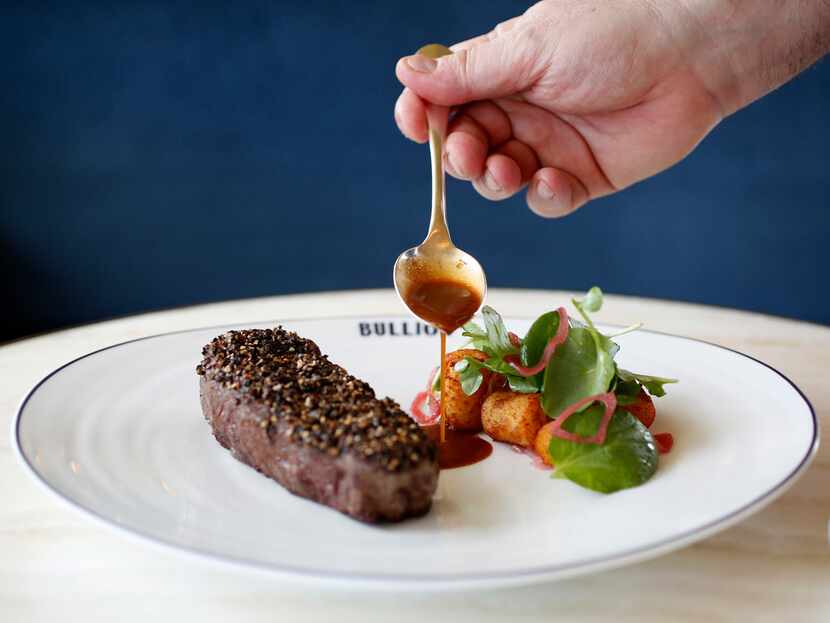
point(513, 418)
point(463, 412)
point(542, 444)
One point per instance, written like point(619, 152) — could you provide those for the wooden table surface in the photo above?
point(56, 565)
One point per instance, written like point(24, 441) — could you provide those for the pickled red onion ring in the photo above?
point(426, 396)
point(514, 339)
point(417, 412)
point(556, 340)
point(434, 407)
point(555, 427)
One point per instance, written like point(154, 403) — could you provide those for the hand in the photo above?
point(577, 99)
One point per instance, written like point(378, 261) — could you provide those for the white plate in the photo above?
point(119, 434)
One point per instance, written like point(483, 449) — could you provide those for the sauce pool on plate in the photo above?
point(458, 449)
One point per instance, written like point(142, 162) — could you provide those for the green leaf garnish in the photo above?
point(537, 338)
point(579, 368)
point(523, 385)
point(592, 302)
point(469, 374)
point(471, 377)
point(628, 457)
point(478, 336)
point(626, 389)
point(654, 384)
point(497, 335)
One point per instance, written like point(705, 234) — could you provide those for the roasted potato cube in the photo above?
point(513, 418)
point(542, 445)
point(463, 412)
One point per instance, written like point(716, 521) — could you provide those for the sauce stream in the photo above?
point(447, 304)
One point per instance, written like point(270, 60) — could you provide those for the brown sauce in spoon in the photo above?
point(447, 304)
point(443, 302)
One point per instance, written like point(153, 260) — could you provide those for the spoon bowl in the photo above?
point(456, 273)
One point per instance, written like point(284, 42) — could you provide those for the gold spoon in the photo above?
point(437, 258)
point(437, 281)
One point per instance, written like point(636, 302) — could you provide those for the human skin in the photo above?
point(576, 99)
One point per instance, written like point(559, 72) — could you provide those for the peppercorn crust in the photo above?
point(282, 407)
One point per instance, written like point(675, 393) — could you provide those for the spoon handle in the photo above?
point(437, 117)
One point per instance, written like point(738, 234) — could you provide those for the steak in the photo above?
point(283, 408)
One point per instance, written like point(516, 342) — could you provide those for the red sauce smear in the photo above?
point(664, 442)
point(556, 340)
point(642, 409)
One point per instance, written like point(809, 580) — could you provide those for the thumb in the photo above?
point(493, 68)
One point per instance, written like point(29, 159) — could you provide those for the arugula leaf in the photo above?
point(579, 368)
point(523, 385)
point(533, 346)
point(627, 392)
point(624, 400)
point(654, 384)
point(592, 302)
point(469, 374)
point(540, 333)
point(478, 336)
point(493, 339)
point(500, 366)
point(497, 334)
point(517, 382)
point(628, 457)
point(629, 389)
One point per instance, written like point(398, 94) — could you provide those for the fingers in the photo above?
point(553, 193)
point(560, 148)
point(524, 157)
point(466, 147)
point(502, 178)
point(476, 129)
point(411, 116)
point(491, 119)
point(492, 68)
point(507, 170)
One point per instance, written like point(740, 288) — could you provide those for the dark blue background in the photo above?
point(157, 156)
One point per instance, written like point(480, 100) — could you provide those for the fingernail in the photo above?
point(491, 183)
point(545, 191)
point(420, 63)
